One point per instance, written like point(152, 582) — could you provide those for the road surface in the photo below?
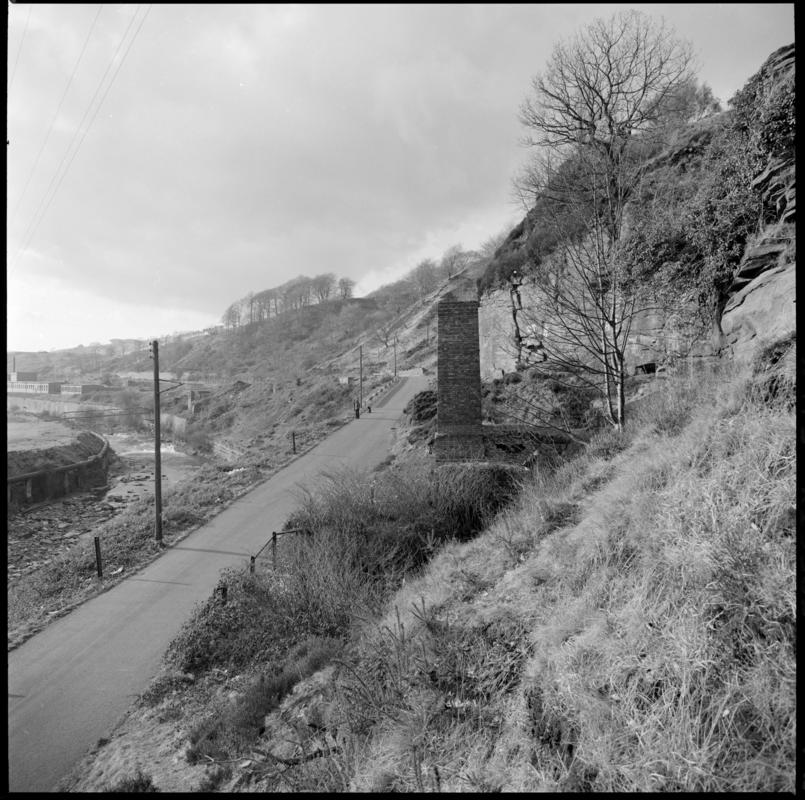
point(70, 684)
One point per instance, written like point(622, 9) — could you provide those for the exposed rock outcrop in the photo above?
point(762, 305)
point(763, 311)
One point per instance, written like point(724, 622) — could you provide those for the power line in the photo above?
point(38, 217)
point(44, 203)
point(55, 116)
point(19, 50)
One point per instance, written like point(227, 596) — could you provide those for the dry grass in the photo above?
point(627, 623)
point(628, 626)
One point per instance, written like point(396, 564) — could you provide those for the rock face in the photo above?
point(762, 305)
point(761, 299)
point(656, 338)
point(763, 311)
point(496, 335)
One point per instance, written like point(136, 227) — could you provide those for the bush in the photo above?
point(198, 439)
point(138, 783)
point(422, 407)
point(258, 618)
point(608, 443)
point(391, 524)
point(774, 377)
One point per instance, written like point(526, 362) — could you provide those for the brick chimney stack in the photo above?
point(458, 423)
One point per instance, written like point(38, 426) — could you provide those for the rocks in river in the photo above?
point(39, 535)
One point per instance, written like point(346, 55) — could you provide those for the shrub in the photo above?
point(422, 407)
point(259, 617)
point(198, 439)
point(774, 380)
point(138, 783)
point(215, 777)
point(608, 443)
point(381, 526)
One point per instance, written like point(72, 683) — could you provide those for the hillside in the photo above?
point(626, 625)
point(617, 618)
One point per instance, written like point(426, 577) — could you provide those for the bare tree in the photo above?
point(424, 277)
point(490, 246)
point(323, 285)
point(384, 332)
point(596, 113)
point(263, 302)
point(231, 317)
point(346, 287)
point(455, 258)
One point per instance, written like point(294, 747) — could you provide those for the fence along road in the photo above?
point(70, 684)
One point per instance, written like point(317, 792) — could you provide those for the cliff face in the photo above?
point(760, 304)
point(761, 308)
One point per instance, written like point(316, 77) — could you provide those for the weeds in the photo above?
point(140, 782)
point(628, 624)
point(655, 650)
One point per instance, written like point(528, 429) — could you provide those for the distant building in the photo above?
point(82, 389)
point(33, 387)
point(14, 377)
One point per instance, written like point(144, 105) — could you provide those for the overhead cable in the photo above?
point(55, 117)
point(19, 50)
point(36, 221)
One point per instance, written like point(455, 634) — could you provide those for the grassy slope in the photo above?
point(627, 624)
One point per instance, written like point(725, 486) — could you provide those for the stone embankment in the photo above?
point(38, 475)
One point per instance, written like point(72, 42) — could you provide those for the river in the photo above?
point(133, 476)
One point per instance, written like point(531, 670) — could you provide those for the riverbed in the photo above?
point(37, 534)
point(132, 476)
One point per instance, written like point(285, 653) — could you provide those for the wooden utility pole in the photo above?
point(157, 448)
point(361, 390)
point(395, 356)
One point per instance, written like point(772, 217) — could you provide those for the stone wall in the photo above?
point(56, 480)
point(37, 405)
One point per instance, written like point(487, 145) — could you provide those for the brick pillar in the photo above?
point(458, 422)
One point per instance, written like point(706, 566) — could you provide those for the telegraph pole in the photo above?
point(361, 363)
point(157, 445)
point(395, 356)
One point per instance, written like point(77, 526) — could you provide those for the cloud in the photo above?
point(242, 145)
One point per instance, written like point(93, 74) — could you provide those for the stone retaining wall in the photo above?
point(57, 481)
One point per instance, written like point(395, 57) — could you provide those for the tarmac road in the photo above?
point(70, 684)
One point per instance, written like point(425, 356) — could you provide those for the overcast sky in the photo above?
point(165, 160)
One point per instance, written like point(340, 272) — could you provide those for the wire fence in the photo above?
point(268, 557)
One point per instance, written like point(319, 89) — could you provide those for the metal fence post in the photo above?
point(98, 556)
